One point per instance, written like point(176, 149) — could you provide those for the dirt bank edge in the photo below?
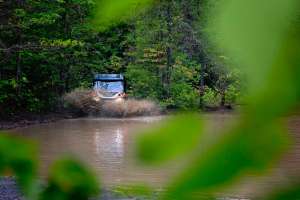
point(25, 120)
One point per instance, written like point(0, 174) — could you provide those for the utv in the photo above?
point(109, 87)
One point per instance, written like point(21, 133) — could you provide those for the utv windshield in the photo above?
point(116, 86)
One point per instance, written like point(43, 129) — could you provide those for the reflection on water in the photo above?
point(112, 151)
point(105, 145)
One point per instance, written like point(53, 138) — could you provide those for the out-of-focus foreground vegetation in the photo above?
point(261, 37)
point(68, 179)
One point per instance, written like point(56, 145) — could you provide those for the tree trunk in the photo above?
point(67, 35)
point(18, 66)
point(67, 30)
point(169, 50)
point(1, 73)
point(223, 99)
point(201, 86)
point(18, 62)
point(20, 4)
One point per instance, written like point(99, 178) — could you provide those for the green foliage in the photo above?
point(57, 49)
point(269, 51)
point(183, 94)
point(236, 153)
point(54, 51)
point(211, 98)
point(142, 83)
point(172, 76)
point(163, 142)
point(133, 190)
point(70, 180)
point(50, 48)
point(171, 55)
point(112, 12)
point(19, 157)
point(232, 95)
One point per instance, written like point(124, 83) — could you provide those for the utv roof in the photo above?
point(109, 77)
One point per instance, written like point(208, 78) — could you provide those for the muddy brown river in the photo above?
point(103, 144)
point(106, 146)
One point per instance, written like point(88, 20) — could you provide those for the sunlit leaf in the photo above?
point(110, 12)
point(243, 150)
point(252, 33)
point(174, 137)
point(133, 190)
point(19, 157)
point(70, 180)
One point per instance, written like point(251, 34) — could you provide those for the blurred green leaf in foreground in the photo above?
point(262, 36)
point(68, 178)
point(19, 157)
point(111, 12)
point(177, 136)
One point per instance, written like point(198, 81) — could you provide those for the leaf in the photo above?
point(133, 190)
point(69, 180)
point(247, 148)
point(20, 158)
point(252, 33)
point(175, 137)
point(111, 12)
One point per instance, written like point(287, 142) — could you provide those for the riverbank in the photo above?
point(25, 120)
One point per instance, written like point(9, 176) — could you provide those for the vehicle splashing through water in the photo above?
point(109, 87)
point(108, 99)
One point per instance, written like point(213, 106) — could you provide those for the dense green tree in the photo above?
point(48, 48)
point(169, 45)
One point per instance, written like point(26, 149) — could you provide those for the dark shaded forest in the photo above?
point(49, 48)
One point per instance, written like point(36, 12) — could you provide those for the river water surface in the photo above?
point(103, 144)
point(106, 146)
